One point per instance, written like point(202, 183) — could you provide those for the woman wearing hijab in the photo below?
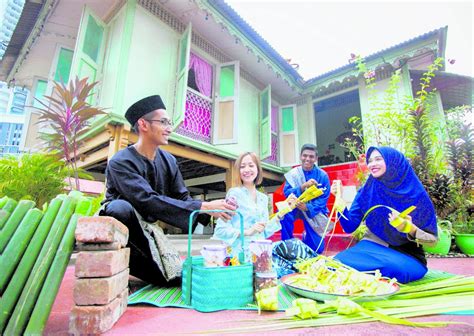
point(391, 244)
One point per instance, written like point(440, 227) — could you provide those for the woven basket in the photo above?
point(209, 289)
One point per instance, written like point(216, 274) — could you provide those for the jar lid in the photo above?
point(271, 274)
point(262, 241)
point(214, 247)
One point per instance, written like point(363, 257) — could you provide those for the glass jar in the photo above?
point(265, 280)
point(261, 255)
point(214, 255)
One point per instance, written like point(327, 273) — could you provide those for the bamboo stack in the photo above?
point(35, 249)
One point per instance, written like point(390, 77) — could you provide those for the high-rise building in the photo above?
point(12, 100)
point(10, 11)
point(12, 116)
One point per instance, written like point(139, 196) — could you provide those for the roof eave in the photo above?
point(26, 31)
point(441, 33)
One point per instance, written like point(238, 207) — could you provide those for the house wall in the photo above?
point(152, 60)
point(379, 93)
point(110, 75)
point(151, 69)
point(306, 123)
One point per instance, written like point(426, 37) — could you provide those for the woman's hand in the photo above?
point(336, 187)
point(219, 205)
point(404, 224)
point(254, 229)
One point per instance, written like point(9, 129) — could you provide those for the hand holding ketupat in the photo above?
point(336, 190)
point(292, 201)
point(402, 221)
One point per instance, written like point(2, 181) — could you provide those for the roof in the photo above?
point(441, 33)
point(230, 14)
point(27, 21)
point(455, 90)
point(31, 13)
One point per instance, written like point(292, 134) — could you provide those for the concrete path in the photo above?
point(147, 320)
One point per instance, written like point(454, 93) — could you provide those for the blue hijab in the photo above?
point(398, 188)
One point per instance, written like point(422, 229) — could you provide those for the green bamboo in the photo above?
point(25, 304)
point(3, 201)
point(10, 205)
point(17, 246)
point(12, 224)
point(84, 207)
point(7, 210)
point(45, 301)
point(9, 298)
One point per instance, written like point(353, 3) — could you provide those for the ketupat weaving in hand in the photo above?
point(290, 203)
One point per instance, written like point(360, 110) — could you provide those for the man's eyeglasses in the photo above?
point(163, 122)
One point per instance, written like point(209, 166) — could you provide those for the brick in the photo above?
point(91, 320)
point(94, 264)
point(101, 229)
point(98, 247)
point(99, 291)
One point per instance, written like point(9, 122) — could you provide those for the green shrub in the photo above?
point(38, 177)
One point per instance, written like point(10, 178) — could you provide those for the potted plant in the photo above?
point(460, 159)
point(463, 229)
point(443, 245)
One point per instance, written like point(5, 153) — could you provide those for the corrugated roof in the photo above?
point(22, 31)
point(32, 10)
point(247, 30)
point(455, 90)
point(229, 13)
point(441, 32)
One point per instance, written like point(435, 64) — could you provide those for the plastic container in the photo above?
point(265, 280)
point(214, 255)
point(261, 254)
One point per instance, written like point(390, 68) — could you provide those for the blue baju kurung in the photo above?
point(384, 247)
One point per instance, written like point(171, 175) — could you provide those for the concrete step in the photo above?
point(336, 243)
point(180, 241)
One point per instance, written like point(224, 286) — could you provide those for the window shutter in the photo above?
point(89, 49)
point(182, 76)
point(60, 68)
point(288, 136)
point(265, 123)
point(226, 107)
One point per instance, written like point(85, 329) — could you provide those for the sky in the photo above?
point(320, 35)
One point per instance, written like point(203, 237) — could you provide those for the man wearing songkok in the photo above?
point(144, 185)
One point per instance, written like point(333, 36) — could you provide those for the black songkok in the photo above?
point(142, 107)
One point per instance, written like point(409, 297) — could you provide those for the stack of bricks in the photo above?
point(101, 287)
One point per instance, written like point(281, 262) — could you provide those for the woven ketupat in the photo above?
point(172, 297)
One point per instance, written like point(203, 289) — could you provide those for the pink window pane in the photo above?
point(275, 119)
point(197, 118)
point(273, 158)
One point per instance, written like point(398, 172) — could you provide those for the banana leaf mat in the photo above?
point(171, 297)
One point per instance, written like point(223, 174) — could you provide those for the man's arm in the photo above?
point(288, 190)
point(319, 204)
point(151, 205)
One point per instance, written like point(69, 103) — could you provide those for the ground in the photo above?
point(148, 320)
